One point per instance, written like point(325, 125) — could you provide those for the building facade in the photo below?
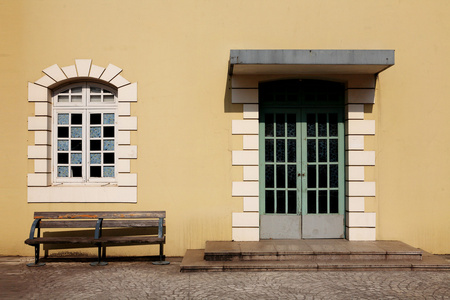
point(244, 120)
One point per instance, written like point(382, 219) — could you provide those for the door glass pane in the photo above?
point(333, 150)
point(311, 176)
point(269, 150)
point(269, 202)
point(311, 124)
point(323, 150)
point(322, 124)
point(323, 176)
point(292, 176)
point(281, 173)
point(323, 202)
point(280, 125)
point(334, 176)
point(281, 202)
point(311, 202)
point(269, 125)
point(270, 176)
point(291, 125)
point(281, 151)
point(292, 150)
point(311, 150)
point(334, 202)
point(292, 202)
point(333, 120)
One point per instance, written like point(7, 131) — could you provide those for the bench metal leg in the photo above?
point(161, 261)
point(99, 262)
point(36, 258)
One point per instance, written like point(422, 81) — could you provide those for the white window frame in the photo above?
point(86, 108)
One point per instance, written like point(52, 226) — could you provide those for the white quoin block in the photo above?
point(128, 93)
point(245, 234)
point(361, 189)
point(355, 204)
point(245, 158)
point(361, 219)
point(127, 151)
point(127, 123)
point(365, 127)
point(37, 93)
point(361, 158)
point(355, 173)
point(244, 126)
point(125, 179)
point(355, 111)
point(251, 111)
point(361, 234)
point(355, 142)
point(244, 189)
point(251, 204)
point(251, 173)
point(246, 219)
point(251, 142)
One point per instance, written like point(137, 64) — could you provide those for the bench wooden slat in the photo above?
point(61, 240)
point(106, 224)
point(130, 240)
point(100, 214)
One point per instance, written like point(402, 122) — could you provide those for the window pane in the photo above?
point(270, 176)
point(63, 145)
point(63, 158)
point(311, 202)
point(95, 132)
point(108, 131)
point(96, 145)
point(269, 150)
point(76, 171)
point(96, 98)
point(96, 171)
point(75, 158)
point(75, 132)
point(96, 158)
point(292, 202)
point(76, 98)
point(281, 202)
point(76, 145)
point(280, 125)
point(281, 151)
point(269, 125)
point(63, 98)
point(63, 119)
point(76, 90)
point(63, 132)
point(76, 119)
point(63, 171)
point(270, 204)
point(323, 202)
point(96, 119)
point(108, 98)
point(108, 158)
point(95, 89)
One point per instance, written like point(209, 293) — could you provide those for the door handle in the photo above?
point(300, 174)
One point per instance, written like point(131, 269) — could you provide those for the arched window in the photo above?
point(84, 127)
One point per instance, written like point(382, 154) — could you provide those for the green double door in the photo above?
point(301, 171)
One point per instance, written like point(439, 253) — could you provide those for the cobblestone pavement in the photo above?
point(142, 280)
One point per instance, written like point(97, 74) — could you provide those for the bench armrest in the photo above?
point(35, 225)
point(160, 227)
point(98, 228)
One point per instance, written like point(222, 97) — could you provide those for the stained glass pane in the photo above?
point(96, 158)
point(281, 176)
point(281, 151)
point(333, 124)
point(269, 125)
point(63, 171)
point(311, 150)
point(311, 176)
point(291, 125)
point(269, 151)
point(323, 202)
point(292, 176)
point(311, 124)
point(322, 124)
point(108, 118)
point(75, 158)
point(292, 202)
point(334, 176)
point(270, 176)
point(311, 202)
point(292, 150)
point(108, 171)
point(270, 202)
point(108, 145)
point(75, 132)
point(63, 119)
point(334, 202)
point(280, 125)
point(281, 202)
point(95, 132)
point(323, 178)
point(63, 145)
point(323, 151)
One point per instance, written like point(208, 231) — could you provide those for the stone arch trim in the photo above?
point(40, 186)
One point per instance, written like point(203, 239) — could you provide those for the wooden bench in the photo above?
point(150, 224)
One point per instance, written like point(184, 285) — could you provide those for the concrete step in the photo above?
point(310, 250)
point(194, 261)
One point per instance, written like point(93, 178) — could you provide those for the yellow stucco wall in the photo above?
point(178, 53)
